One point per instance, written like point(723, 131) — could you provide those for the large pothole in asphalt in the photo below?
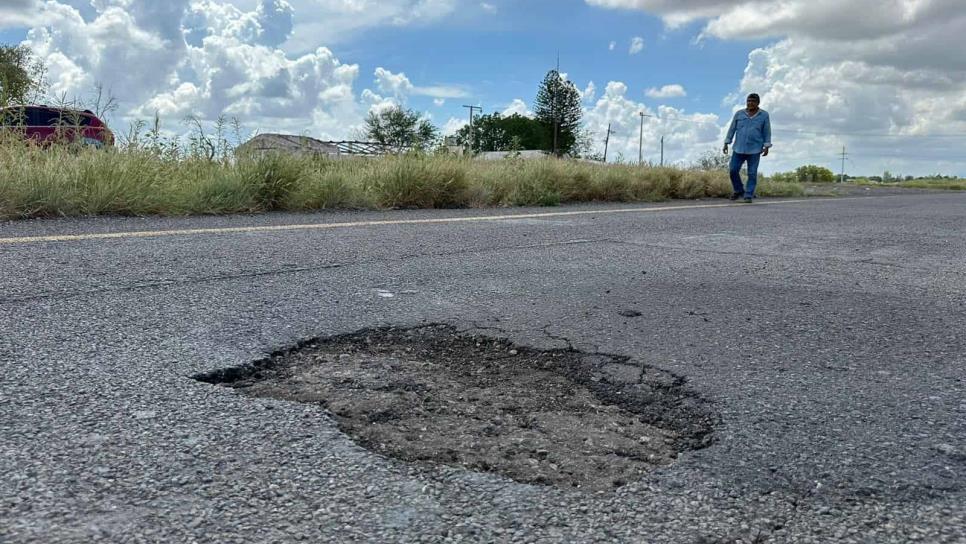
point(430, 394)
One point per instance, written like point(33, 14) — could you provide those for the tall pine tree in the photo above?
point(558, 108)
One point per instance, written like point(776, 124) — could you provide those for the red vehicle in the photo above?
point(47, 125)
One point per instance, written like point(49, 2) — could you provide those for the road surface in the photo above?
point(827, 334)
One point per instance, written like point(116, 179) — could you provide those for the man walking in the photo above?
point(751, 132)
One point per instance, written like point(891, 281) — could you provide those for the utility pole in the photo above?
point(471, 108)
point(844, 157)
point(662, 151)
point(607, 141)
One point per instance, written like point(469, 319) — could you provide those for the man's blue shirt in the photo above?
point(751, 135)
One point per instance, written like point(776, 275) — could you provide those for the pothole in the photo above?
point(430, 394)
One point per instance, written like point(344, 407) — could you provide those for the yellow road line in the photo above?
point(326, 226)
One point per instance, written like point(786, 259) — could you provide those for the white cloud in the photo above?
point(612, 46)
point(589, 93)
point(637, 45)
point(332, 21)
point(397, 85)
point(400, 88)
point(875, 75)
point(441, 91)
point(667, 91)
point(18, 13)
point(488, 7)
point(207, 58)
point(439, 102)
point(686, 136)
point(519, 107)
point(453, 125)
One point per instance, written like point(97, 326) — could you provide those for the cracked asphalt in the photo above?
point(827, 335)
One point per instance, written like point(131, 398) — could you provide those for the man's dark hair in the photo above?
point(755, 97)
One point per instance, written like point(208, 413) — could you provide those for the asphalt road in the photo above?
point(828, 335)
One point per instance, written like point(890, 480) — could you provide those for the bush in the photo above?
point(418, 181)
point(814, 174)
point(272, 177)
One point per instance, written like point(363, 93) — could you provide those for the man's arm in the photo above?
point(731, 132)
point(766, 134)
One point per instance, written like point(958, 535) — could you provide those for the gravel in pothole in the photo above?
point(433, 395)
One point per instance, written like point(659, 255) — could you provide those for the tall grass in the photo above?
point(944, 184)
point(146, 180)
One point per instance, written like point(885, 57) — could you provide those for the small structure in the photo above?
point(452, 146)
point(289, 143)
point(527, 154)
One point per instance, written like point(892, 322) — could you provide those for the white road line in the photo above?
point(327, 226)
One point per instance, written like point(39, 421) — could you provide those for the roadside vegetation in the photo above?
point(160, 178)
point(935, 183)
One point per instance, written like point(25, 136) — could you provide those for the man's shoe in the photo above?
point(735, 196)
point(748, 201)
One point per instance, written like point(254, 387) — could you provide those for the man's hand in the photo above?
point(726, 149)
point(765, 152)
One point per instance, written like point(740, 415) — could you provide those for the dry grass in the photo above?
point(60, 181)
point(944, 184)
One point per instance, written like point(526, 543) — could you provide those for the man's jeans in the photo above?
point(737, 159)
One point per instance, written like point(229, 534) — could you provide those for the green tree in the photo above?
point(21, 76)
point(558, 108)
point(494, 132)
point(400, 129)
point(812, 173)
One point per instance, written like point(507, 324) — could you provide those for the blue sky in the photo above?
point(502, 56)
point(830, 73)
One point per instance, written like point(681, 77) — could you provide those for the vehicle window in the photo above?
point(41, 117)
point(69, 118)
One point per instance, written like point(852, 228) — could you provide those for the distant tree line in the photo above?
point(555, 127)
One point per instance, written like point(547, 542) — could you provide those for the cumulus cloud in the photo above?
point(637, 45)
point(517, 107)
point(331, 21)
point(687, 136)
point(397, 85)
point(488, 7)
point(612, 46)
point(667, 91)
point(207, 58)
point(400, 87)
point(18, 13)
point(874, 75)
point(453, 125)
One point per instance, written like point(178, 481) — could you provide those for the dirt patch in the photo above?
point(430, 394)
